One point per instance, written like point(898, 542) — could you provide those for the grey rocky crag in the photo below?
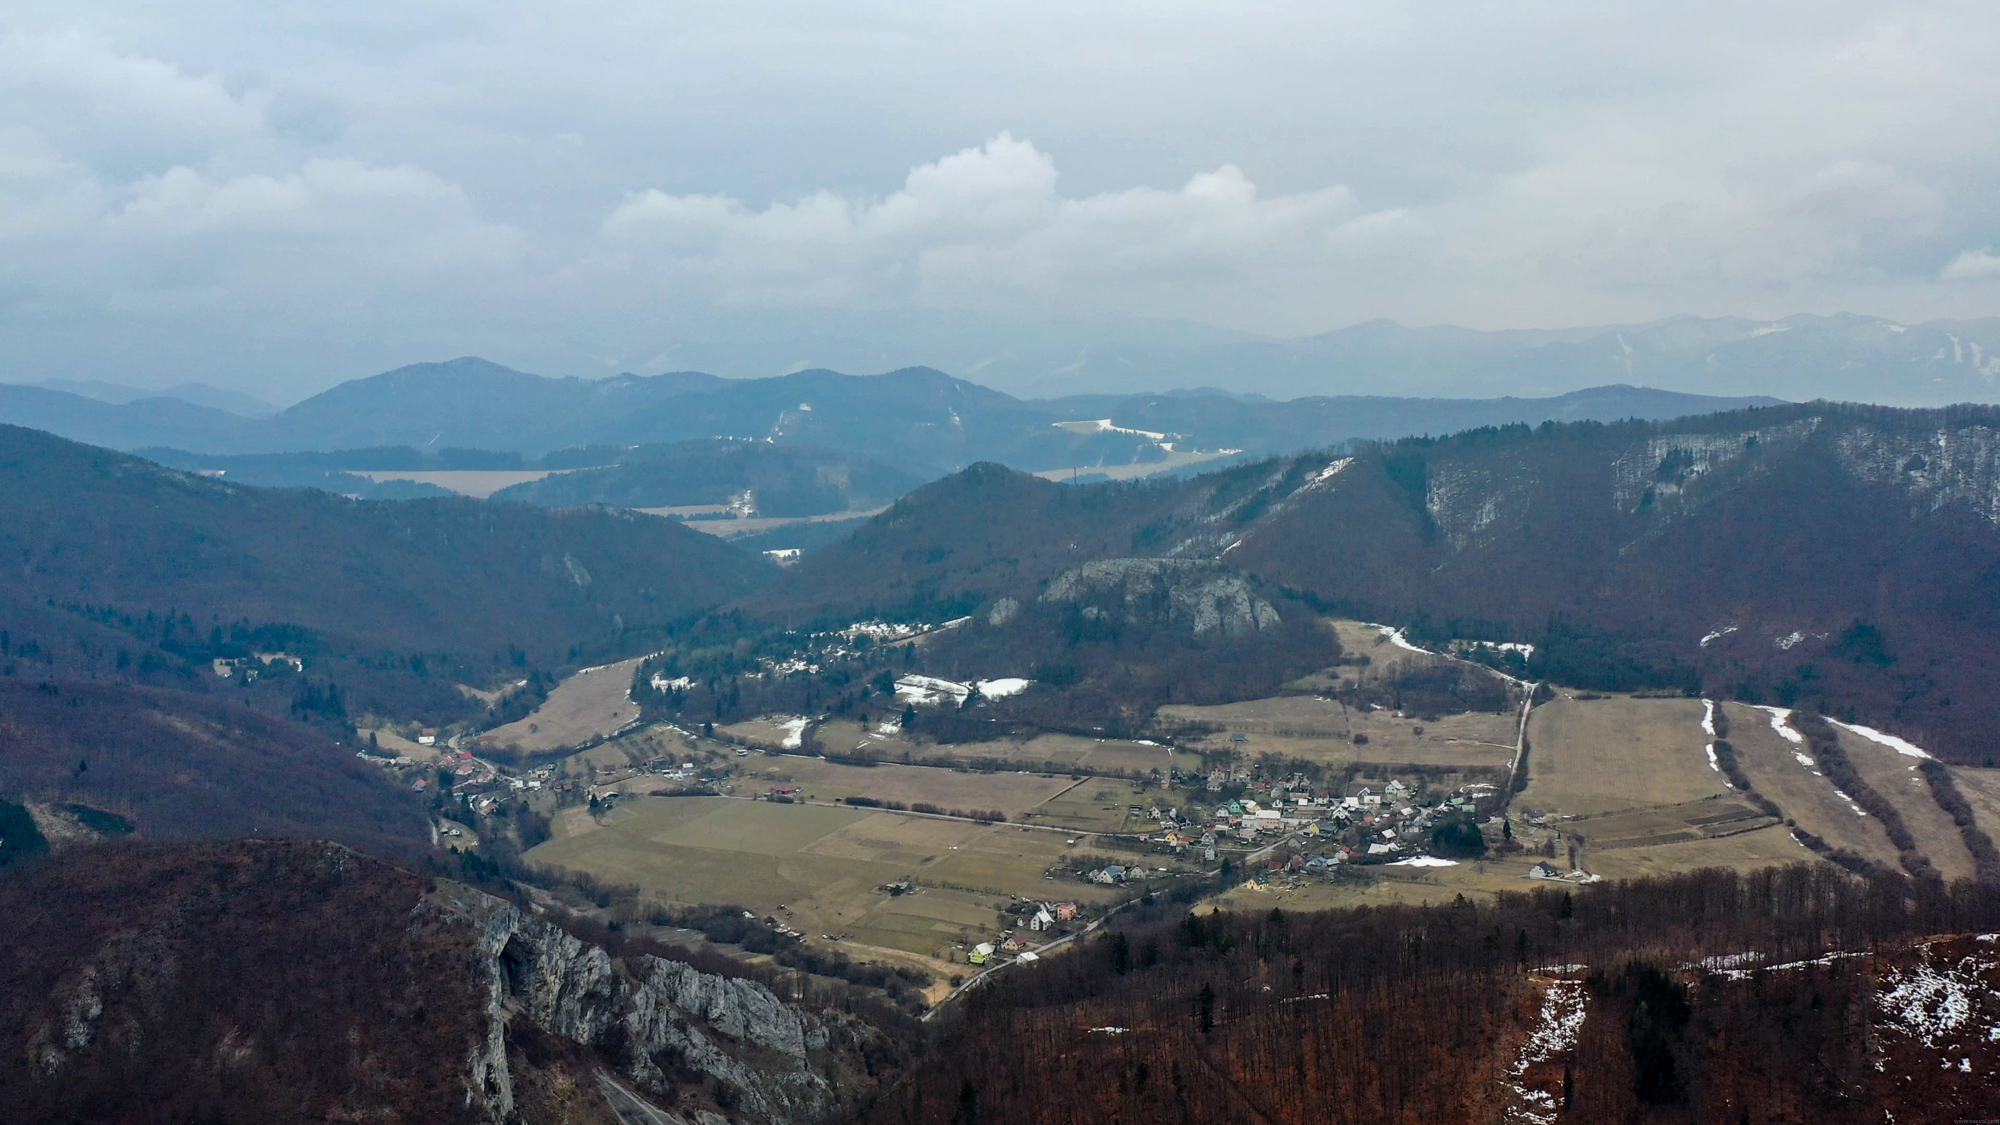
point(1207, 598)
point(668, 1024)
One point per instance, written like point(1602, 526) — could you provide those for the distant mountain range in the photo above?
point(194, 394)
point(919, 420)
point(1841, 357)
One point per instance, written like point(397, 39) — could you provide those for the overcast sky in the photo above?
point(276, 196)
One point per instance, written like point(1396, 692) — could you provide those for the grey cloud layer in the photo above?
point(276, 199)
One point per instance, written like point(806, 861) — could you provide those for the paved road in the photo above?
point(630, 1107)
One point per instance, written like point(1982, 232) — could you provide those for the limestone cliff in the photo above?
point(664, 1022)
point(1206, 598)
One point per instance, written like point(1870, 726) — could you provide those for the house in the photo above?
point(1380, 849)
point(1065, 912)
point(1216, 780)
point(788, 792)
point(428, 737)
point(981, 953)
point(1013, 943)
point(1042, 920)
point(1544, 870)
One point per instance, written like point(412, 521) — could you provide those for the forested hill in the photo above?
point(104, 545)
point(1841, 557)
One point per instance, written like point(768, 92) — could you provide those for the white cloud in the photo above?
point(1973, 265)
point(987, 224)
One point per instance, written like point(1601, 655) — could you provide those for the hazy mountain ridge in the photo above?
point(915, 418)
point(1844, 356)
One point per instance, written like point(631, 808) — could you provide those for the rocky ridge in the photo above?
point(1206, 598)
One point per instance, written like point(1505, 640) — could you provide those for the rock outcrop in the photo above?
point(667, 1024)
point(1206, 598)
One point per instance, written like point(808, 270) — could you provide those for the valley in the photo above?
point(1009, 730)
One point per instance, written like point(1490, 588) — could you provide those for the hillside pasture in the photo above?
point(1981, 789)
point(1803, 793)
point(591, 704)
point(1896, 777)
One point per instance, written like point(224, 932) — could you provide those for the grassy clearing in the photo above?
point(591, 704)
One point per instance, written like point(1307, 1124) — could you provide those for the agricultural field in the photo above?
point(821, 869)
point(1322, 731)
point(1628, 781)
point(1385, 885)
point(771, 732)
point(1059, 752)
point(1011, 793)
point(1099, 804)
point(1593, 756)
point(591, 704)
point(755, 525)
point(476, 483)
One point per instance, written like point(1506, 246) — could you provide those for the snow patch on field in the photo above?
point(1425, 861)
point(1780, 717)
point(1002, 688)
point(795, 733)
point(1907, 749)
point(1397, 638)
point(1717, 634)
point(1708, 727)
point(930, 689)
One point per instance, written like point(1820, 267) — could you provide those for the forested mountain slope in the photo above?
point(1843, 557)
point(1798, 994)
point(102, 544)
point(181, 764)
